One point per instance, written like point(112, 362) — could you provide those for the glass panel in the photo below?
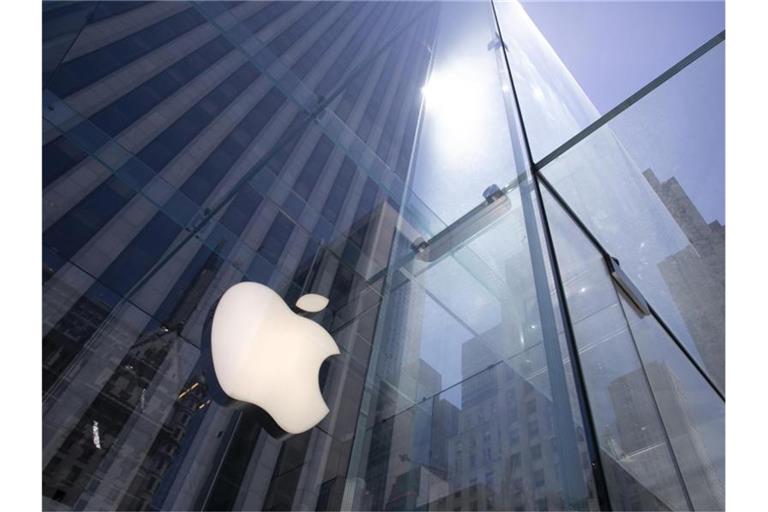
point(640, 470)
point(487, 443)
point(649, 186)
point(467, 404)
point(553, 105)
point(693, 414)
point(446, 322)
point(462, 122)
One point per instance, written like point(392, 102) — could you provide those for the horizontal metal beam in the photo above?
point(624, 105)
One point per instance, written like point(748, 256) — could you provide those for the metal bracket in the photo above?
point(627, 286)
point(495, 204)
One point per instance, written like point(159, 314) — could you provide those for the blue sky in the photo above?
point(613, 48)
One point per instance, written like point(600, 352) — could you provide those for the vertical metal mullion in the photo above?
point(598, 472)
point(360, 447)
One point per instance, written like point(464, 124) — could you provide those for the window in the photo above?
point(313, 168)
point(533, 428)
point(277, 237)
point(487, 446)
point(143, 251)
point(514, 436)
point(82, 71)
point(489, 481)
point(73, 474)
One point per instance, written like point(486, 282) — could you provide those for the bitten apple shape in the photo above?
point(265, 354)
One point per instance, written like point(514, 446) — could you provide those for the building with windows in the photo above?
point(436, 173)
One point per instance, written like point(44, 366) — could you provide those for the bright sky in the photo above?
point(613, 48)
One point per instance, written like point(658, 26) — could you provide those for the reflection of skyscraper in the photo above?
point(504, 454)
point(640, 438)
point(418, 448)
point(123, 397)
point(640, 450)
point(704, 485)
point(403, 378)
point(696, 275)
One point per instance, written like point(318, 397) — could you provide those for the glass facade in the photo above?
point(528, 297)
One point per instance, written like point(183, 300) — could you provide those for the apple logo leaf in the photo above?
point(312, 302)
point(262, 353)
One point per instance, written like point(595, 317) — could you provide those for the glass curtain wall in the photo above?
point(675, 257)
point(435, 170)
point(643, 185)
point(657, 415)
point(467, 404)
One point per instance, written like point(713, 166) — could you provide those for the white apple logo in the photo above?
point(265, 354)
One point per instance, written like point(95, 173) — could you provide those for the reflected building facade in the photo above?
point(364, 151)
point(696, 274)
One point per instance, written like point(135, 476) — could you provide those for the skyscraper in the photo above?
point(368, 152)
point(153, 115)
